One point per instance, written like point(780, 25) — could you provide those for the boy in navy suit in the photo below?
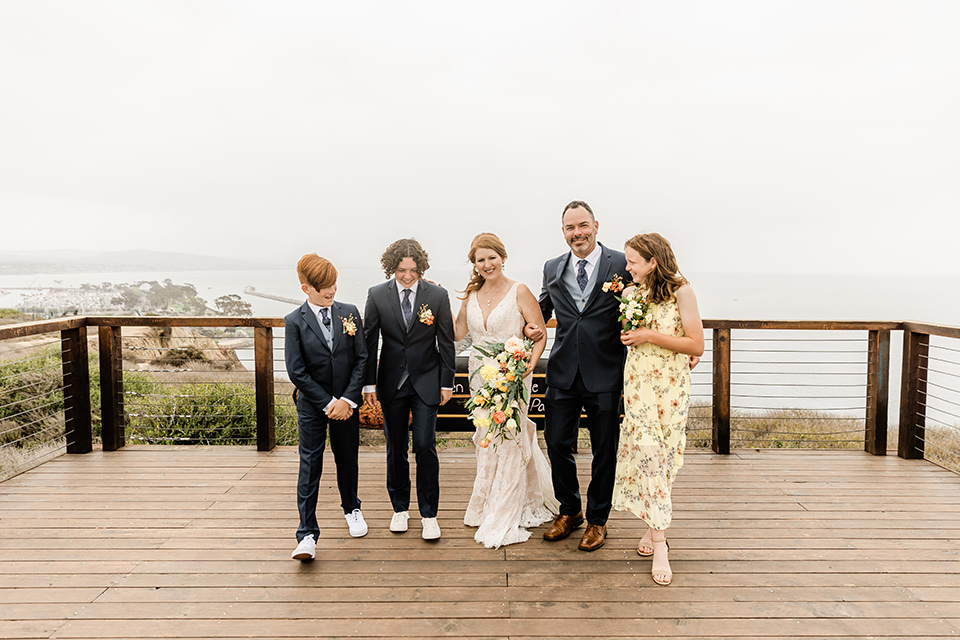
point(410, 318)
point(326, 356)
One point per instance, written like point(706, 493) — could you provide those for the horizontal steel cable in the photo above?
point(32, 435)
point(58, 367)
point(36, 397)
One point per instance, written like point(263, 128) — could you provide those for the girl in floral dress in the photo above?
point(656, 393)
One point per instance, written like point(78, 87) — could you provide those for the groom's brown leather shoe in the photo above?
point(593, 537)
point(563, 526)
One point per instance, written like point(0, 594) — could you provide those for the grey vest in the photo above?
point(570, 282)
point(327, 333)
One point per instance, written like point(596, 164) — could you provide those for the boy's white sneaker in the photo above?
point(398, 523)
point(358, 528)
point(431, 528)
point(306, 550)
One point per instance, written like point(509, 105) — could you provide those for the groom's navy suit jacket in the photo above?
point(426, 351)
point(588, 339)
point(319, 374)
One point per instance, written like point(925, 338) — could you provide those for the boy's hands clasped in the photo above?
point(339, 410)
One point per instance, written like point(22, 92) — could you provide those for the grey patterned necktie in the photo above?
point(326, 318)
point(406, 307)
point(582, 274)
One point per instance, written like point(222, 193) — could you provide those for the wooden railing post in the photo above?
point(111, 389)
point(913, 395)
point(721, 391)
point(878, 392)
point(76, 390)
point(263, 367)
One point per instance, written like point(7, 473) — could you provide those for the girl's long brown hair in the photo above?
point(482, 241)
point(666, 278)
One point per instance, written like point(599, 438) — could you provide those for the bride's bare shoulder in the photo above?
point(524, 293)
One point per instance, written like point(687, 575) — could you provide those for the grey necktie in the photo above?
point(582, 274)
point(406, 307)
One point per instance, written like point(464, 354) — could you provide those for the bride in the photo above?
point(513, 489)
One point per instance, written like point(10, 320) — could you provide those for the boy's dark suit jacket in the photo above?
point(588, 339)
point(318, 374)
point(427, 351)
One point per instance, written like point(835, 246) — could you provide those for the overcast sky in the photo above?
point(758, 136)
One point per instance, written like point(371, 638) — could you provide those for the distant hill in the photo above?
point(27, 262)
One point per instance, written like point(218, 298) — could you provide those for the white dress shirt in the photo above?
point(591, 259)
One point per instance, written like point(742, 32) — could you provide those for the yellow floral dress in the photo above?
point(653, 434)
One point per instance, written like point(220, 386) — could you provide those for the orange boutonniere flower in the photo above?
point(615, 285)
point(350, 325)
point(425, 315)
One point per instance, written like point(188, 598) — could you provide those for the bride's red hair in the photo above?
point(482, 241)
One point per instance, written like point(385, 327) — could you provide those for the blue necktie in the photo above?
point(326, 318)
point(406, 307)
point(582, 274)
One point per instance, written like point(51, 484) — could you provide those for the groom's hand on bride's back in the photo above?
point(533, 331)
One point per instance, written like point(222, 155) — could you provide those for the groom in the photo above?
point(584, 372)
point(415, 374)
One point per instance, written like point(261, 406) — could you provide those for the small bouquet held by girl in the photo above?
point(496, 406)
point(633, 305)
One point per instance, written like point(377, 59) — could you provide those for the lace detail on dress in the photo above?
point(513, 489)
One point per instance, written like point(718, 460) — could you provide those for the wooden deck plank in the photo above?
point(185, 542)
point(513, 628)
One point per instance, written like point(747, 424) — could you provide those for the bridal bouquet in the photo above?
point(496, 405)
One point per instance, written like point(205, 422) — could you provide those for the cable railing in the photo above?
point(930, 394)
point(798, 389)
point(186, 385)
point(222, 380)
point(44, 394)
point(800, 384)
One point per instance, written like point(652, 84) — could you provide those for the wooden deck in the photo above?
point(195, 543)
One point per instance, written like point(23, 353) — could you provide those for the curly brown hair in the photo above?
point(666, 278)
point(404, 248)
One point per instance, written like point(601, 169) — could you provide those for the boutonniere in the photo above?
point(615, 285)
point(350, 325)
point(425, 315)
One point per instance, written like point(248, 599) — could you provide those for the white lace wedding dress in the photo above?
point(513, 489)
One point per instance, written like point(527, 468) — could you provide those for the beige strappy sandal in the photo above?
point(645, 541)
point(661, 563)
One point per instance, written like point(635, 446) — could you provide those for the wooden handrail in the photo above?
point(945, 331)
point(804, 325)
point(185, 321)
point(26, 329)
